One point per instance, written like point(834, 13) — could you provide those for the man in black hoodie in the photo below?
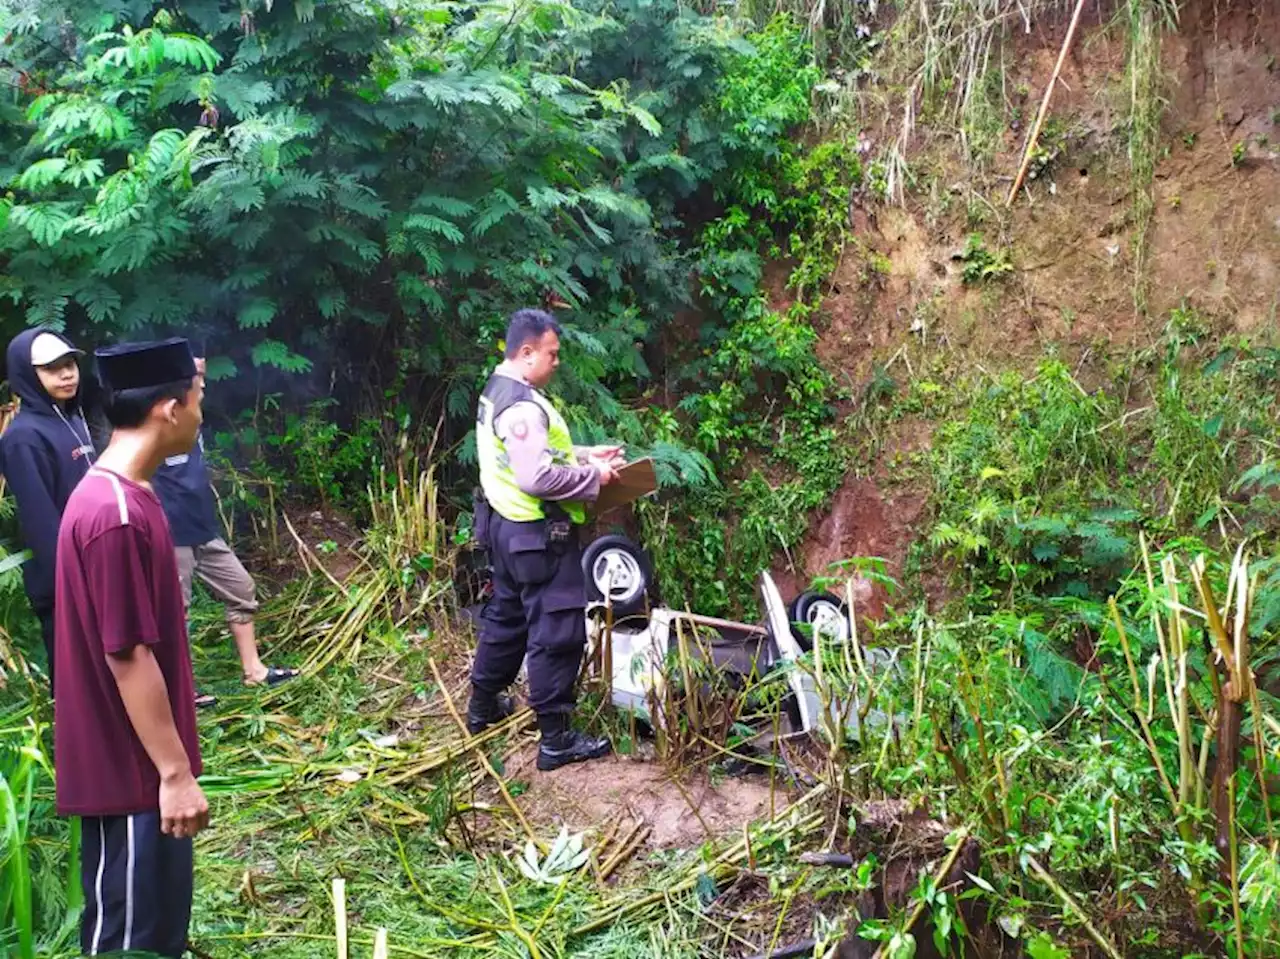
point(43, 455)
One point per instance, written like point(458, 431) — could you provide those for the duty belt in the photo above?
point(558, 524)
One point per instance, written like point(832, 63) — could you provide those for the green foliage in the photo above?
point(982, 264)
point(39, 858)
point(314, 187)
point(308, 453)
point(756, 399)
point(710, 557)
point(1039, 491)
point(1022, 489)
point(1260, 895)
point(1040, 486)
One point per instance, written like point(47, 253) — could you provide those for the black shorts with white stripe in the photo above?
point(137, 886)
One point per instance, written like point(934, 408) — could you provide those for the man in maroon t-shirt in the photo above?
point(127, 753)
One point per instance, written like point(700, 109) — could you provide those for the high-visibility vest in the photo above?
point(497, 478)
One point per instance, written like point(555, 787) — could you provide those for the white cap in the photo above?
point(48, 348)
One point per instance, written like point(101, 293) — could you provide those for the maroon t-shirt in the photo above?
point(117, 586)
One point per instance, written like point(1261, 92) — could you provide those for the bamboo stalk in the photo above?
point(716, 623)
point(1232, 638)
point(684, 794)
point(788, 822)
point(939, 875)
point(1044, 104)
point(493, 773)
point(444, 755)
point(1177, 689)
point(1260, 744)
point(308, 557)
point(1105, 944)
point(340, 916)
point(1234, 866)
point(625, 851)
point(598, 857)
point(786, 907)
point(1142, 720)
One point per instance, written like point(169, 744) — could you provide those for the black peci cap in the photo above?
point(134, 366)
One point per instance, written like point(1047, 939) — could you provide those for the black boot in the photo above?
point(484, 710)
point(562, 745)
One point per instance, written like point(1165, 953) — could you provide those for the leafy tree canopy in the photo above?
point(319, 186)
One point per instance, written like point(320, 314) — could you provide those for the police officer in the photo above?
point(535, 487)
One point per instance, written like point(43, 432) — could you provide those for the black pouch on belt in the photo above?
point(532, 560)
point(483, 519)
point(559, 527)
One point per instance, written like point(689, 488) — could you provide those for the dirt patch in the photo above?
point(862, 521)
point(876, 288)
point(598, 794)
point(329, 539)
point(1214, 237)
point(1216, 240)
point(898, 299)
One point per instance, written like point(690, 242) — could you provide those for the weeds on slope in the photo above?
point(1146, 20)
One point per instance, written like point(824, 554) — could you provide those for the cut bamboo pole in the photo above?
point(1105, 944)
point(493, 773)
point(625, 851)
point(340, 916)
point(1044, 104)
point(309, 559)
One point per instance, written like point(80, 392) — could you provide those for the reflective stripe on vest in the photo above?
point(497, 478)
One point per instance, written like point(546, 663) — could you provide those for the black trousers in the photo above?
point(137, 886)
point(539, 596)
point(45, 615)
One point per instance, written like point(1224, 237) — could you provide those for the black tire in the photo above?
point(629, 567)
point(816, 606)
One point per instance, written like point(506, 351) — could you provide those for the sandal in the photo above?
point(275, 676)
point(204, 700)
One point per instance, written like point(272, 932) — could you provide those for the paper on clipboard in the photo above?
point(634, 481)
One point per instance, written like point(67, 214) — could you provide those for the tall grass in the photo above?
point(37, 881)
point(1145, 20)
point(943, 52)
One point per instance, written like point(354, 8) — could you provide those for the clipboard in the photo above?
point(634, 481)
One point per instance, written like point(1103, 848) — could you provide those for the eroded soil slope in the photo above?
point(899, 302)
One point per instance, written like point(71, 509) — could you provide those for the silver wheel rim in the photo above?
point(617, 576)
point(828, 619)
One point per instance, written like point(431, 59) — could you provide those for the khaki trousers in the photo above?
point(221, 570)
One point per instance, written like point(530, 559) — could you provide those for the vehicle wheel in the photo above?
point(822, 612)
point(617, 568)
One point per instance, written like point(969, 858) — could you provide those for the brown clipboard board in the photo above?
point(634, 481)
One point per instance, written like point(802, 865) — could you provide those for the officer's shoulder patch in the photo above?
point(520, 429)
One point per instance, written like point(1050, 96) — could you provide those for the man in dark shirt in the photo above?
point(182, 482)
point(127, 753)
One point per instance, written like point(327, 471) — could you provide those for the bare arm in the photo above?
point(146, 700)
point(183, 808)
